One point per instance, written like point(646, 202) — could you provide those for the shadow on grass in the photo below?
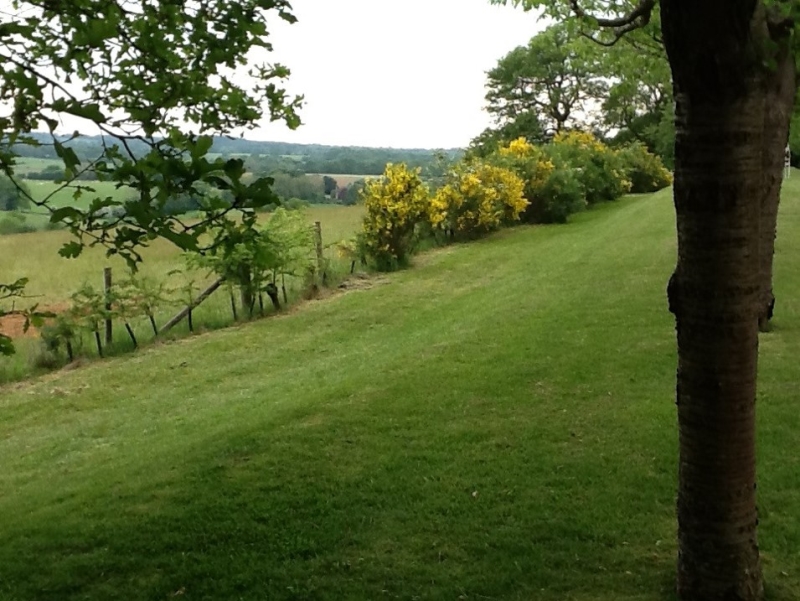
point(347, 502)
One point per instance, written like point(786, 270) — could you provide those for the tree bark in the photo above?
point(246, 290)
point(780, 103)
point(722, 54)
point(715, 296)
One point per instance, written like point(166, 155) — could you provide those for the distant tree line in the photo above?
point(266, 157)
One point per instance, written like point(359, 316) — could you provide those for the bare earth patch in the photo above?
point(14, 326)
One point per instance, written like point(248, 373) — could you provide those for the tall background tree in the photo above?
point(554, 77)
point(155, 80)
point(733, 72)
point(638, 105)
point(562, 80)
point(525, 125)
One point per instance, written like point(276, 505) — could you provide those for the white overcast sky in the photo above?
point(403, 74)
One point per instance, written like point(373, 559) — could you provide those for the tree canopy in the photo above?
point(556, 76)
point(11, 197)
point(563, 79)
point(155, 80)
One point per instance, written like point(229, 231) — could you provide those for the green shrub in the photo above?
point(15, 223)
point(52, 226)
point(552, 187)
point(56, 336)
point(559, 196)
point(295, 204)
point(600, 170)
point(45, 359)
point(645, 171)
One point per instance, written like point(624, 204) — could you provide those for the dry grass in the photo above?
point(53, 279)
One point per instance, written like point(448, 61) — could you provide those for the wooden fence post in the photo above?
point(192, 305)
point(318, 245)
point(107, 290)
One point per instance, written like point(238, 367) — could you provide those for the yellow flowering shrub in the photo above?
point(528, 162)
point(552, 191)
point(519, 148)
point(600, 169)
point(580, 139)
point(396, 205)
point(478, 198)
point(645, 170)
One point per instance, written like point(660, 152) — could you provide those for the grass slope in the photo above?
point(497, 423)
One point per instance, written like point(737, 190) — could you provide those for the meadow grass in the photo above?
point(53, 279)
point(496, 423)
point(25, 165)
point(61, 196)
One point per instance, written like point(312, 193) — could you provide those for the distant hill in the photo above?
point(305, 158)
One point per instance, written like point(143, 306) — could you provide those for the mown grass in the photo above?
point(496, 423)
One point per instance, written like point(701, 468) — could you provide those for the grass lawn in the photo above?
point(496, 423)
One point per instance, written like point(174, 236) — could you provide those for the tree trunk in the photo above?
point(720, 52)
point(246, 290)
point(778, 114)
point(715, 296)
point(272, 292)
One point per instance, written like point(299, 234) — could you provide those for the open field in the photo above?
point(53, 279)
point(62, 197)
point(25, 165)
point(496, 423)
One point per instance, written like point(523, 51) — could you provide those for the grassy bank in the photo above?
point(496, 423)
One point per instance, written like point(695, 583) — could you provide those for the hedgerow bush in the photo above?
point(255, 261)
point(600, 170)
point(15, 223)
point(645, 170)
point(552, 188)
point(559, 196)
point(477, 198)
point(397, 206)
